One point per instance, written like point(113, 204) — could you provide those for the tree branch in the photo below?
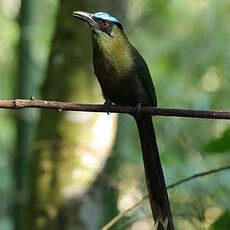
point(198, 175)
point(61, 106)
point(121, 214)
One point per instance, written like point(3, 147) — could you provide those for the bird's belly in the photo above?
point(120, 85)
point(125, 90)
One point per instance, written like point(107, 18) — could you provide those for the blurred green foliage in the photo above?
point(33, 52)
point(186, 44)
point(219, 145)
point(223, 222)
point(9, 36)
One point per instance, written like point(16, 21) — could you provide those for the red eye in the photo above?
point(104, 25)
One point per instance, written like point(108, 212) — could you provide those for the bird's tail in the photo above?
point(157, 191)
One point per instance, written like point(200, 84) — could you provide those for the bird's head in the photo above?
point(100, 23)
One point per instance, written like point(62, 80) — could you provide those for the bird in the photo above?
point(125, 80)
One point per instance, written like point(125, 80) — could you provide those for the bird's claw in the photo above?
point(107, 105)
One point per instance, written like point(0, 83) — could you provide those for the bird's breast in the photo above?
point(114, 68)
point(112, 73)
point(113, 64)
point(115, 54)
point(118, 57)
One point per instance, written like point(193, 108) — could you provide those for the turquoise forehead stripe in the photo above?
point(106, 16)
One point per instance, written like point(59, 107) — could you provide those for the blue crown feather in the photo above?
point(106, 16)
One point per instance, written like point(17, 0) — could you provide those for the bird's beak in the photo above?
point(86, 17)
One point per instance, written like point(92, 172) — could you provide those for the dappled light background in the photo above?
point(75, 170)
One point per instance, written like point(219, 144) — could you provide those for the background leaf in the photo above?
point(223, 222)
point(219, 145)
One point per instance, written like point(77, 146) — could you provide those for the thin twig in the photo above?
point(198, 175)
point(61, 106)
point(121, 214)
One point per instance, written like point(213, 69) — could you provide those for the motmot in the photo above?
point(125, 80)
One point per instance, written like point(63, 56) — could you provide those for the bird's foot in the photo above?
point(107, 105)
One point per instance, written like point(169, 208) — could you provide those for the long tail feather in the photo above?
point(158, 196)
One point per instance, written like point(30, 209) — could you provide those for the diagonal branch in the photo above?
point(198, 175)
point(61, 106)
point(121, 214)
